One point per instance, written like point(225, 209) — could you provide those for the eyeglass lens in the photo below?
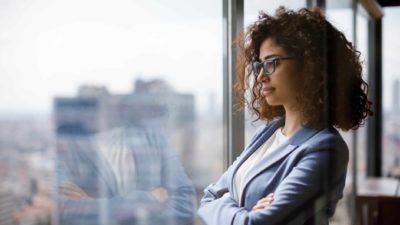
point(267, 65)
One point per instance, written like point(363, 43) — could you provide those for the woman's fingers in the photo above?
point(73, 191)
point(264, 202)
point(268, 198)
point(160, 193)
point(260, 206)
point(226, 194)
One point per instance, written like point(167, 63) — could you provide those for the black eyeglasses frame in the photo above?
point(256, 65)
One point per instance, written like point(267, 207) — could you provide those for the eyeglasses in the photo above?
point(268, 65)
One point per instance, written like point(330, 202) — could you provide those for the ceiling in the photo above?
point(385, 3)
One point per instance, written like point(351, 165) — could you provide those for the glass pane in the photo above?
point(391, 93)
point(341, 16)
point(102, 102)
point(362, 46)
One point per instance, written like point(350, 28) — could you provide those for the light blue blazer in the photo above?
point(307, 174)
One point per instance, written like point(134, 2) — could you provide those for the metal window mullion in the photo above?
point(233, 121)
point(319, 3)
point(354, 185)
point(374, 149)
point(374, 125)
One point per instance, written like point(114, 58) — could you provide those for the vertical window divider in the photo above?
point(233, 121)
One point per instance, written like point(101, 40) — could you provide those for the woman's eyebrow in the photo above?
point(270, 56)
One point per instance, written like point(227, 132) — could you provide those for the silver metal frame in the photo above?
point(233, 121)
point(354, 185)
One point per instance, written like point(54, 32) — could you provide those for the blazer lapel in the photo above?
point(103, 168)
point(268, 161)
point(302, 135)
point(257, 142)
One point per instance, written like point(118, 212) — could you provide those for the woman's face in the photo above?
point(278, 88)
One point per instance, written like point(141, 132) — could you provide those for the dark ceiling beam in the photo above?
point(387, 3)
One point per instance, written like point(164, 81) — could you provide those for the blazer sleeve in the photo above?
point(218, 189)
point(296, 191)
point(215, 208)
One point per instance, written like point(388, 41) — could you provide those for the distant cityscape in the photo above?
point(27, 144)
point(391, 135)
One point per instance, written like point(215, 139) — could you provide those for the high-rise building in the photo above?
point(76, 115)
point(7, 207)
point(396, 96)
point(94, 109)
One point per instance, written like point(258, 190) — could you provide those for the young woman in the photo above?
point(304, 79)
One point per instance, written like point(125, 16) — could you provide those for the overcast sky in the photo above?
point(50, 47)
point(391, 56)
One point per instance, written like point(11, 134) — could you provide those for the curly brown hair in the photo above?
point(332, 91)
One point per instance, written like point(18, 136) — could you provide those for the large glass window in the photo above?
point(362, 45)
point(391, 93)
point(92, 91)
point(341, 16)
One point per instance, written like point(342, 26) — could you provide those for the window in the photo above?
point(74, 70)
point(390, 94)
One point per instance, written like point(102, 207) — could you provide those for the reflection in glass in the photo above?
point(125, 175)
point(173, 53)
point(114, 163)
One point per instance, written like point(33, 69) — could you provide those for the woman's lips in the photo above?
point(267, 90)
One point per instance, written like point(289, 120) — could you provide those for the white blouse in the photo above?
point(264, 150)
point(114, 150)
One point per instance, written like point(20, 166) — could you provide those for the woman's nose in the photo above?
point(262, 76)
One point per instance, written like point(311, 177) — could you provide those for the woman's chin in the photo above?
point(271, 101)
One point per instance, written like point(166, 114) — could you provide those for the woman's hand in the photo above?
point(226, 194)
point(73, 191)
point(264, 202)
point(160, 193)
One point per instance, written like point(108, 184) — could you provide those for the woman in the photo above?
point(305, 79)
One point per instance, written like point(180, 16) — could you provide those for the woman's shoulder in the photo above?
point(329, 134)
point(328, 138)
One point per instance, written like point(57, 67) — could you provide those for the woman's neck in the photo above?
point(293, 122)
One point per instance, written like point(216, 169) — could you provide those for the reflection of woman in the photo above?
point(127, 175)
point(307, 80)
